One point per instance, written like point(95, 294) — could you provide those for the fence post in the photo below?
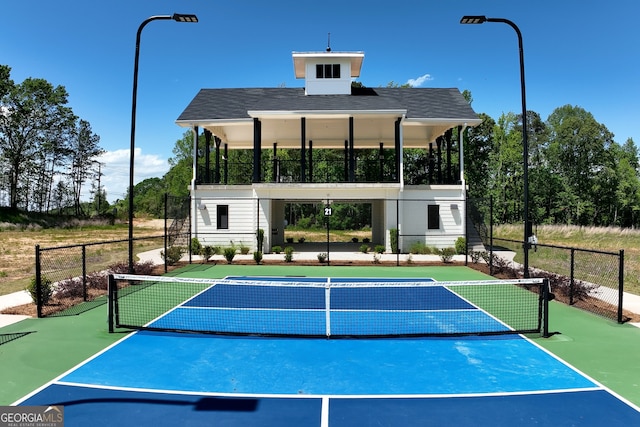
point(192, 220)
point(571, 275)
point(397, 232)
point(466, 229)
point(490, 235)
point(84, 272)
point(38, 280)
point(620, 284)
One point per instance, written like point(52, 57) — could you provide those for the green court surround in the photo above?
point(600, 348)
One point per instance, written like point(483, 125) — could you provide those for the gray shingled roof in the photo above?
point(420, 103)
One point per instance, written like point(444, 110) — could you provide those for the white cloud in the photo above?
point(115, 170)
point(419, 81)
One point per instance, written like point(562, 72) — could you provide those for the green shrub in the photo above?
point(380, 249)
point(322, 257)
point(276, 249)
point(446, 254)
point(476, 256)
point(229, 253)
point(244, 249)
point(122, 267)
point(364, 249)
point(173, 255)
point(305, 223)
point(288, 254)
point(196, 247)
point(46, 289)
point(207, 252)
point(420, 248)
point(461, 246)
point(68, 288)
point(393, 238)
point(257, 256)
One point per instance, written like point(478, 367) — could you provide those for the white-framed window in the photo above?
point(327, 71)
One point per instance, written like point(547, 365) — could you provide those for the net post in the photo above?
point(545, 308)
point(111, 284)
point(327, 308)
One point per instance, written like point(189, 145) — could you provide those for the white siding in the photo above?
point(414, 217)
point(409, 216)
point(242, 225)
point(340, 86)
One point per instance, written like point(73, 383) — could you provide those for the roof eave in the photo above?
point(333, 114)
point(212, 122)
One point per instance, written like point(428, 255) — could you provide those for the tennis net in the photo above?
point(328, 307)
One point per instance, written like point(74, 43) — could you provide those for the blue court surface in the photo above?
point(152, 378)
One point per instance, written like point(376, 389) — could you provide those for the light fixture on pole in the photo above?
point(178, 17)
point(525, 144)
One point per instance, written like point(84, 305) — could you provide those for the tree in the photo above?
point(149, 197)
point(51, 162)
point(100, 204)
point(83, 149)
point(395, 84)
point(5, 82)
point(478, 149)
point(62, 197)
point(507, 164)
point(30, 110)
point(179, 176)
point(577, 151)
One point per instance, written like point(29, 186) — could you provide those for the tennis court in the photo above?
point(329, 352)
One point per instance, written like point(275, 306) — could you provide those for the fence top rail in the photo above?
point(102, 242)
point(595, 251)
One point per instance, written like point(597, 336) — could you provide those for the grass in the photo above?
point(598, 268)
point(17, 247)
point(320, 235)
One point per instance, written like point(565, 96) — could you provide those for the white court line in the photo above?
point(324, 417)
point(598, 386)
point(330, 396)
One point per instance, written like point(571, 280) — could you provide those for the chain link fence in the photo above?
point(72, 279)
point(588, 279)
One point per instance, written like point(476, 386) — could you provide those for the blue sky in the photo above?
point(578, 52)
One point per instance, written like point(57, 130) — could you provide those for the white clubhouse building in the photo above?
point(328, 113)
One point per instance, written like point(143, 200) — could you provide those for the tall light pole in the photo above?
point(525, 144)
point(178, 18)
